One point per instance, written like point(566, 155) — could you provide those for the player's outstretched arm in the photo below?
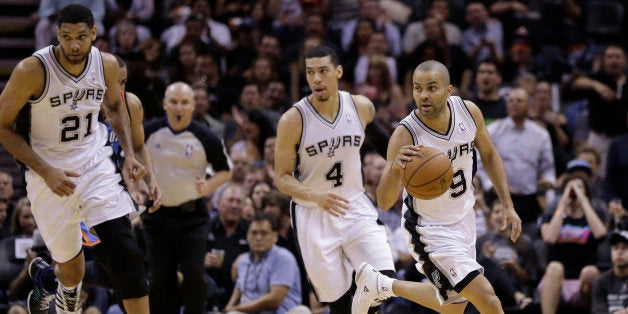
point(495, 170)
point(136, 115)
point(118, 117)
point(27, 82)
point(288, 139)
point(400, 150)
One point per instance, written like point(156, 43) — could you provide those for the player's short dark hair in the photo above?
point(75, 14)
point(121, 62)
point(322, 51)
point(434, 66)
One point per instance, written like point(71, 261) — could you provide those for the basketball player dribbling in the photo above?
point(54, 98)
point(441, 231)
point(317, 162)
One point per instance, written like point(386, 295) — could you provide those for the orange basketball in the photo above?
point(428, 175)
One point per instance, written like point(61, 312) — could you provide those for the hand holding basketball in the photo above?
point(428, 175)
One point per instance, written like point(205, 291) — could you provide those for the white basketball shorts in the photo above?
point(333, 247)
point(445, 254)
point(98, 197)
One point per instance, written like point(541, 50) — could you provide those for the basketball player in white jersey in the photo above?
point(49, 122)
point(441, 231)
point(317, 162)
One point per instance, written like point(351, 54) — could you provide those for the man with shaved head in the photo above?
point(182, 149)
point(441, 231)
point(526, 149)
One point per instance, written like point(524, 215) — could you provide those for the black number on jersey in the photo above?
point(335, 174)
point(71, 127)
point(458, 184)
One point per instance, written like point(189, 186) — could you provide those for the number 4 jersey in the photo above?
point(329, 152)
point(458, 145)
point(62, 125)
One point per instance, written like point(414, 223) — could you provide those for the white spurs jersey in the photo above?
point(458, 145)
point(329, 152)
point(63, 127)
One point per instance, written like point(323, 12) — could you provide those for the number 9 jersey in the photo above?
point(458, 145)
point(67, 132)
point(328, 157)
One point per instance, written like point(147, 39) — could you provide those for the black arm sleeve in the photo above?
point(378, 137)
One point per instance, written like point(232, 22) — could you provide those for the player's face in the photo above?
point(619, 254)
point(322, 77)
point(430, 92)
point(261, 237)
point(122, 77)
point(75, 41)
point(179, 106)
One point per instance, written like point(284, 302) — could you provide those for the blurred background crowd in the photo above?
point(548, 75)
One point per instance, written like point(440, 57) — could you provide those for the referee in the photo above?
point(182, 150)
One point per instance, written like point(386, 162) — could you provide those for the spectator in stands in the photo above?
point(371, 10)
point(215, 33)
point(515, 262)
point(572, 232)
point(126, 41)
point(452, 56)
point(381, 88)
point(414, 33)
point(373, 166)
point(609, 291)
point(221, 94)
point(149, 77)
point(261, 72)
point(616, 180)
point(275, 97)
point(486, 96)
point(277, 206)
point(526, 150)
point(258, 191)
point(6, 186)
point(201, 111)
point(4, 208)
point(592, 156)
point(483, 38)
point(608, 100)
point(182, 68)
point(269, 157)
point(268, 275)
point(255, 127)
point(554, 122)
point(522, 59)
point(586, 166)
point(47, 19)
point(138, 11)
point(226, 241)
point(13, 249)
point(514, 14)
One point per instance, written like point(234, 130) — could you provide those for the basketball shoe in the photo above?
point(39, 298)
point(370, 289)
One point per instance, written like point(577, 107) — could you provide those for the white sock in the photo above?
point(62, 288)
point(386, 286)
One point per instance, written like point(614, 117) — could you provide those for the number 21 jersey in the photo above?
point(63, 127)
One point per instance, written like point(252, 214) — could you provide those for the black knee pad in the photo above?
point(122, 258)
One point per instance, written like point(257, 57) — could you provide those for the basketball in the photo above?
point(428, 175)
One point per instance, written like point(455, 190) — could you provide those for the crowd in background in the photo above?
point(548, 75)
